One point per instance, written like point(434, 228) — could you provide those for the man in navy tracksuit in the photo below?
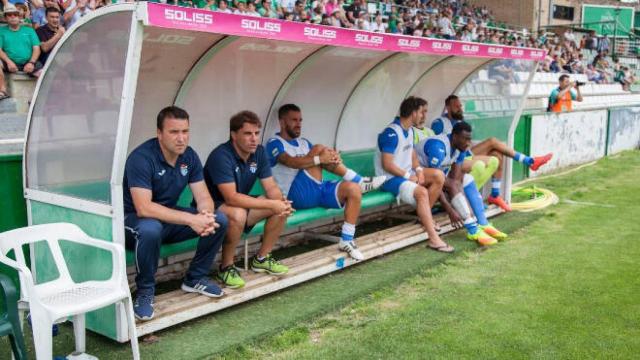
point(155, 175)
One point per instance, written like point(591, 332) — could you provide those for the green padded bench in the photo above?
point(361, 161)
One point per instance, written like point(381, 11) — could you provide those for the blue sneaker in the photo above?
point(143, 307)
point(203, 286)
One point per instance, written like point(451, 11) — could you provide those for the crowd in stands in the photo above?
point(566, 54)
point(446, 19)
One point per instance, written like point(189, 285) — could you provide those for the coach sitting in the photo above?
point(155, 175)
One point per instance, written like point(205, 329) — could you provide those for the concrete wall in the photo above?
point(624, 129)
point(574, 138)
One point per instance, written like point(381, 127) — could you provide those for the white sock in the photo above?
point(348, 231)
point(351, 175)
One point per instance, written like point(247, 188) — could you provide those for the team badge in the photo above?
point(184, 169)
point(253, 167)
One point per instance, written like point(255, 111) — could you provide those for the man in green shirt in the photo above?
point(19, 48)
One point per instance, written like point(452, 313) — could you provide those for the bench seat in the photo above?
point(360, 161)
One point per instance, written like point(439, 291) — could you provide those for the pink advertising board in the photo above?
point(174, 17)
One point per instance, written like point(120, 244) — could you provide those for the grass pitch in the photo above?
point(565, 285)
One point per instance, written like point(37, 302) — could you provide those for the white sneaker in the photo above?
point(369, 184)
point(350, 248)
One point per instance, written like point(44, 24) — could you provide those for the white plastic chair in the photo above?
point(58, 299)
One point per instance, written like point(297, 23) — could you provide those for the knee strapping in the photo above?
point(406, 193)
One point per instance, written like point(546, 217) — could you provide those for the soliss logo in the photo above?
point(437, 45)
point(495, 51)
point(181, 15)
point(470, 48)
point(324, 33)
point(409, 43)
point(537, 53)
point(369, 39)
point(516, 52)
point(257, 25)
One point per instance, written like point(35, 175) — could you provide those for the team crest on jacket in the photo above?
point(184, 169)
point(253, 167)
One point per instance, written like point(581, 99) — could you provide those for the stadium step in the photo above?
point(8, 106)
point(178, 306)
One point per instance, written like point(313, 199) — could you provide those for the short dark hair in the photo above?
point(562, 77)
point(286, 108)
point(450, 99)
point(421, 102)
point(170, 112)
point(238, 120)
point(52, 10)
point(411, 104)
point(460, 127)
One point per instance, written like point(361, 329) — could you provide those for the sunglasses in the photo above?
point(11, 14)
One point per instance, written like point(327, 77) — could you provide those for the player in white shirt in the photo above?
point(297, 168)
point(406, 179)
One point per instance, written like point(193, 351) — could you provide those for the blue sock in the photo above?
point(348, 231)
point(471, 227)
point(475, 201)
point(495, 187)
point(523, 159)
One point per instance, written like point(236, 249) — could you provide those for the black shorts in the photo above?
point(37, 66)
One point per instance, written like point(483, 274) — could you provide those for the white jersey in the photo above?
point(283, 174)
point(403, 154)
point(437, 153)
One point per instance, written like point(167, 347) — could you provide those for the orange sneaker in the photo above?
point(497, 200)
point(482, 238)
point(540, 160)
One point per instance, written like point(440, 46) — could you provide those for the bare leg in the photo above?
point(433, 181)
point(492, 145)
point(424, 214)
point(237, 219)
point(349, 193)
point(272, 228)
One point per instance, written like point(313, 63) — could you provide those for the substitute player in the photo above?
point(297, 168)
point(447, 153)
point(406, 179)
point(489, 147)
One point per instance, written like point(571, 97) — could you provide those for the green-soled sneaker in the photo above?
point(493, 232)
point(230, 277)
point(268, 265)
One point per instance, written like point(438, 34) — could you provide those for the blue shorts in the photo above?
point(393, 185)
point(306, 192)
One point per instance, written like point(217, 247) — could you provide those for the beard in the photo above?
point(292, 133)
point(457, 115)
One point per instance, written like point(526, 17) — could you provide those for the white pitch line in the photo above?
point(573, 202)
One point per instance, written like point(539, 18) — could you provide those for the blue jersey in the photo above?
point(146, 168)
point(436, 152)
point(443, 124)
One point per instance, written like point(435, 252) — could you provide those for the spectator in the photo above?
point(446, 29)
point(77, 9)
point(50, 33)
point(561, 98)
point(223, 7)
point(268, 10)
point(378, 25)
point(603, 44)
point(251, 10)
point(19, 48)
point(354, 11)
point(241, 8)
point(39, 16)
point(298, 11)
